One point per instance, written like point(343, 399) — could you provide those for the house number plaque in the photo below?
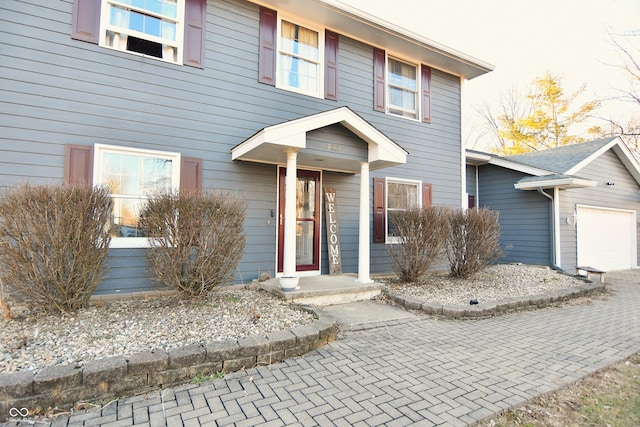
point(333, 238)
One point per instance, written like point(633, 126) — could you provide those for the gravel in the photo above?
point(497, 282)
point(32, 341)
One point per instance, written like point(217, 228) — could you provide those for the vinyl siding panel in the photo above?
point(524, 216)
point(59, 91)
point(623, 195)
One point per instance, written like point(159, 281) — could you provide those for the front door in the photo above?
point(307, 219)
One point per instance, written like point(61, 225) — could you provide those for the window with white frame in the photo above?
point(299, 61)
point(401, 196)
point(402, 88)
point(148, 27)
point(133, 176)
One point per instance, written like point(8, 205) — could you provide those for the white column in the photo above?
point(363, 241)
point(289, 256)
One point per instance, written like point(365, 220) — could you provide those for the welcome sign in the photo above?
point(333, 238)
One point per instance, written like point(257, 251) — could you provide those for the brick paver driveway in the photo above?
point(419, 372)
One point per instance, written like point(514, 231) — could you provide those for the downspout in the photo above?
point(555, 228)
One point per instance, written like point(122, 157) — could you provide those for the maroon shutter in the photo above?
point(379, 211)
point(191, 174)
point(78, 165)
point(426, 93)
point(427, 195)
point(268, 37)
point(471, 201)
point(195, 18)
point(85, 22)
point(331, 65)
point(378, 79)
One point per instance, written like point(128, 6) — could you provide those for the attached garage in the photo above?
point(606, 238)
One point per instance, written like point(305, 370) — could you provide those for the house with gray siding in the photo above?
point(272, 100)
point(570, 206)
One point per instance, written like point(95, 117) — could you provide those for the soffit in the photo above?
point(372, 30)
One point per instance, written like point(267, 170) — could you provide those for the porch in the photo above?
point(325, 290)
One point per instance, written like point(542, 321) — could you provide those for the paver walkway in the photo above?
point(418, 371)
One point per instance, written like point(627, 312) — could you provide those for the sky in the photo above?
point(523, 39)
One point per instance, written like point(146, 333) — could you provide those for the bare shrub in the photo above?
point(421, 235)
point(54, 242)
point(197, 239)
point(473, 241)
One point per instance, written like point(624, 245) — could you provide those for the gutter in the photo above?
point(555, 228)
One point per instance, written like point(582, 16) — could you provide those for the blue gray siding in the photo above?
point(623, 195)
point(525, 216)
point(59, 91)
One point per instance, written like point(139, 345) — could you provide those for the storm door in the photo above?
point(307, 219)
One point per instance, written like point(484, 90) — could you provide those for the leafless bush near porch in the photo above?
point(54, 241)
point(197, 239)
point(421, 236)
point(473, 241)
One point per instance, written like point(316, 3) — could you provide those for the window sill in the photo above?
point(142, 55)
point(299, 91)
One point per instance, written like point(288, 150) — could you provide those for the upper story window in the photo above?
point(299, 58)
point(157, 28)
point(402, 88)
point(132, 176)
point(149, 27)
point(296, 57)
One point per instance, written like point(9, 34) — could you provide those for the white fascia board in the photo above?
point(630, 162)
point(359, 25)
point(622, 151)
point(475, 158)
point(508, 164)
point(553, 183)
point(293, 134)
point(593, 156)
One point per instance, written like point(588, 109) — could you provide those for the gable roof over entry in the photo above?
point(269, 144)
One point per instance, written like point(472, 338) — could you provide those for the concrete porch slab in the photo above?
point(325, 290)
point(367, 314)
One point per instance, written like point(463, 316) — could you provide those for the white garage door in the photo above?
point(606, 238)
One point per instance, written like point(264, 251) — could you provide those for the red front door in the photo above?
point(307, 219)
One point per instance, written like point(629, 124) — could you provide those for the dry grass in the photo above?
point(610, 397)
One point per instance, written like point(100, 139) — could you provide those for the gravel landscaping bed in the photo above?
point(496, 283)
point(31, 342)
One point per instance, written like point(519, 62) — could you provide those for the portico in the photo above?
point(287, 144)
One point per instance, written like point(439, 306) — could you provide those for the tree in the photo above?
point(627, 129)
point(543, 119)
point(510, 105)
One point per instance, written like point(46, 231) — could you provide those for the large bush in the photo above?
point(473, 241)
point(421, 234)
point(197, 239)
point(53, 243)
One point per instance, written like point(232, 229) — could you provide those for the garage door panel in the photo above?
point(606, 238)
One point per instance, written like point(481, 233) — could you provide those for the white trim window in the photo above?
point(147, 27)
point(402, 194)
point(300, 58)
point(133, 175)
point(403, 88)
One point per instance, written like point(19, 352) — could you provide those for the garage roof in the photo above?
point(557, 167)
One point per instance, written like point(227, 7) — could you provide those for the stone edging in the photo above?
point(63, 386)
point(496, 308)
